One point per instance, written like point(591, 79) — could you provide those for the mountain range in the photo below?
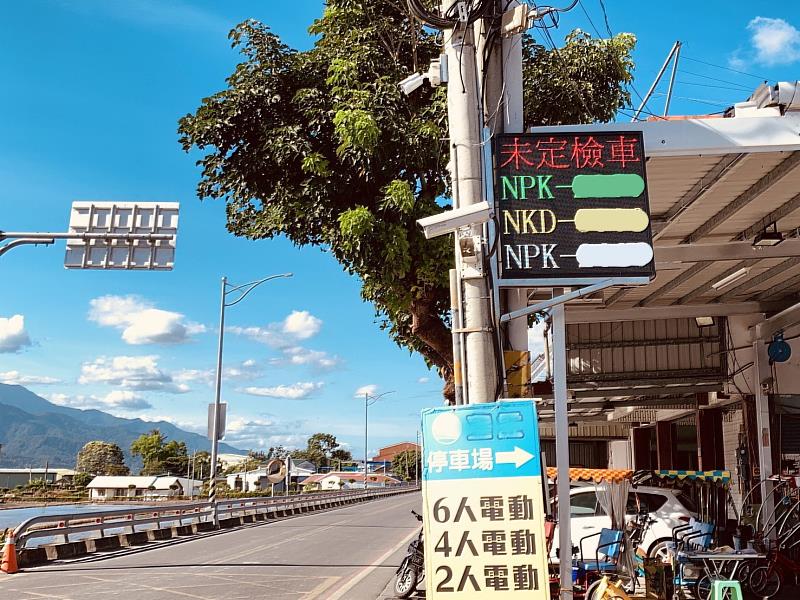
point(34, 431)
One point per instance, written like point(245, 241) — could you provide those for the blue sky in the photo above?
point(92, 90)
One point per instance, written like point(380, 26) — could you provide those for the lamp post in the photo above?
point(243, 291)
point(369, 401)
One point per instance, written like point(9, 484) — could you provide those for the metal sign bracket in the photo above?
point(584, 291)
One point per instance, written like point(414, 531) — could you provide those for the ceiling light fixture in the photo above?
point(732, 278)
point(704, 321)
point(768, 238)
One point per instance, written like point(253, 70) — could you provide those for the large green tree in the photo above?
point(407, 464)
point(322, 449)
point(101, 458)
point(160, 456)
point(322, 147)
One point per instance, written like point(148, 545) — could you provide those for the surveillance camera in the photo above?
point(450, 221)
point(411, 83)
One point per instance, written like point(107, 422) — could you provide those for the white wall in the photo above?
point(620, 455)
point(731, 427)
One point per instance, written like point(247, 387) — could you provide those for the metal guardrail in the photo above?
point(64, 525)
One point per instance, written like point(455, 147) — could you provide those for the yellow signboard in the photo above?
point(483, 503)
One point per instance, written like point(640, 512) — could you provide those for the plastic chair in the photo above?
point(609, 547)
point(726, 590)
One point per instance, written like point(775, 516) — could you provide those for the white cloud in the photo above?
point(13, 336)
point(299, 355)
point(140, 322)
point(130, 372)
point(302, 324)
point(121, 400)
point(298, 325)
point(292, 392)
point(17, 378)
point(368, 390)
point(246, 370)
point(423, 380)
point(264, 432)
point(775, 41)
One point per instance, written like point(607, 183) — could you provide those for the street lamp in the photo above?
point(243, 291)
point(369, 400)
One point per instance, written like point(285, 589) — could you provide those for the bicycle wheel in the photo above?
point(591, 591)
point(764, 582)
point(702, 588)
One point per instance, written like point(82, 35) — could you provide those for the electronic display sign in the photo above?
point(572, 206)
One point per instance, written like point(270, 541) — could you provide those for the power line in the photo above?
point(708, 85)
point(702, 62)
point(605, 18)
point(583, 8)
point(700, 100)
point(685, 72)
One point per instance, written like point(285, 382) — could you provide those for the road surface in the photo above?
point(344, 554)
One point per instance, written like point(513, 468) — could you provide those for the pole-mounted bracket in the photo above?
point(541, 306)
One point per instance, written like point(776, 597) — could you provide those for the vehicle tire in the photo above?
point(764, 583)
point(702, 588)
point(592, 589)
point(405, 583)
point(660, 550)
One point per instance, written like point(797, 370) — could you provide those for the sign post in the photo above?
point(482, 502)
point(572, 212)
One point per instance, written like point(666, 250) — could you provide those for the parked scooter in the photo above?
point(411, 571)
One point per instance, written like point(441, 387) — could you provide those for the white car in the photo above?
point(669, 508)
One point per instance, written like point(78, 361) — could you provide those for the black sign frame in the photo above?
point(540, 203)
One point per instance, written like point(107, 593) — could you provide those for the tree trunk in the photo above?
point(431, 331)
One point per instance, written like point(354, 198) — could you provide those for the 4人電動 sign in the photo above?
point(572, 206)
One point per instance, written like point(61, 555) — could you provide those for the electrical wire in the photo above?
point(605, 18)
point(686, 72)
point(702, 62)
point(588, 16)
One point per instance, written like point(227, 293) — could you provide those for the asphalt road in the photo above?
point(345, 554)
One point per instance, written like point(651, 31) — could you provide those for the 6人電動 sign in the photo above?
point(572, 206)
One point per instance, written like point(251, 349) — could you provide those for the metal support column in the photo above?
point(562, 447)
point(761, 386)
point(212, 484)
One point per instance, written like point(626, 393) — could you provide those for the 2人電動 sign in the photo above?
point(572, 206)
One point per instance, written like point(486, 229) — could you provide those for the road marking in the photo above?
point(257, 549)
point(328, 582)
point(340, 593)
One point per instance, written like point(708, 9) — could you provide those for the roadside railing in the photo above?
point(128, 519)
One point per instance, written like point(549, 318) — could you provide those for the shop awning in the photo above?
point(596, 475)
point(717, 476)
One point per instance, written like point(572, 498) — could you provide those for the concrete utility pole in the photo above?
point(466, 168)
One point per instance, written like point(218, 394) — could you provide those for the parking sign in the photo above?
point(482, 501)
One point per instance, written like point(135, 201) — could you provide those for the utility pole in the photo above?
point(467, 171)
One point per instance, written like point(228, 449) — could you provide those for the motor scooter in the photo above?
point(411, 571)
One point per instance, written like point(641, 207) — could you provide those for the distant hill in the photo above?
point(33, 430)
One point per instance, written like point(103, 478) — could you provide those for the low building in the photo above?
point(108, 487)
point(346, 480)
point(387, 453)
point(11, 478)
point(256, 479)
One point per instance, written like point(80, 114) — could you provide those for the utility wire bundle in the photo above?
point(468, 12)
